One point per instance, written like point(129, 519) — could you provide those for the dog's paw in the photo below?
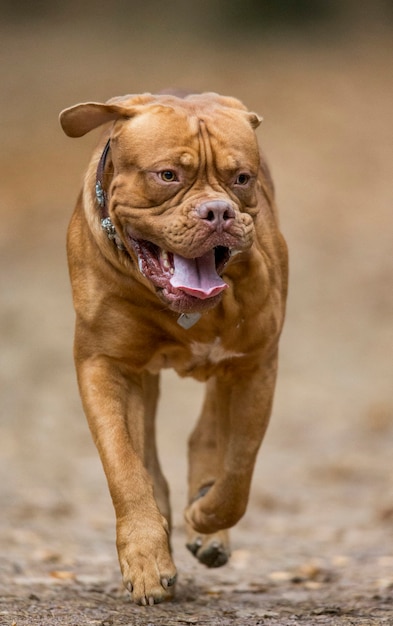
point(211, 550)
point(148, 571)
point(149, 585)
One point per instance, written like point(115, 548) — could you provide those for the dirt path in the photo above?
point(316, 544)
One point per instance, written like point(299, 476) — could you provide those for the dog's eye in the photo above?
point(168, 176)
point(242, 179)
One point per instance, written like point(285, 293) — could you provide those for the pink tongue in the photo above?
point(197, 277)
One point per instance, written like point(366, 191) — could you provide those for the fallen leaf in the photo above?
point(280, 576)
point(63, 575)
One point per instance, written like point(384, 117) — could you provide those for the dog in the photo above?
point(176, 260)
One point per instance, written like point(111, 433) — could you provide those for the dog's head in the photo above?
point(180, 183)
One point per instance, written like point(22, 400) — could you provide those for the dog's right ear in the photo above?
point(78, 120)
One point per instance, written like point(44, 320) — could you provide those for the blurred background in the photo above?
point(320, 74)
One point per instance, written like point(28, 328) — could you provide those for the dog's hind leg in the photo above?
point(213, 549)
point(242, 400)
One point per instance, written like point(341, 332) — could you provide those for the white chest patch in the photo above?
point(212, 352)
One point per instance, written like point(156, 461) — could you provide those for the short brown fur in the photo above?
point(127, 324)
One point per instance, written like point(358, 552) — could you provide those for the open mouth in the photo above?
point(187, 284)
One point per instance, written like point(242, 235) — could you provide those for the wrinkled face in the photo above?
point(183, 197)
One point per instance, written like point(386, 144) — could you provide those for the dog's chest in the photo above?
point(197, 359)
point(206, 359)
point(210, 353)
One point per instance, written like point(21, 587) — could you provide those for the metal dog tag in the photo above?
point(186, 320)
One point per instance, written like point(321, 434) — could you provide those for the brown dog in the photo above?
point(176, 261)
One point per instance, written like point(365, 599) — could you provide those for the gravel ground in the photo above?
point(315, 546)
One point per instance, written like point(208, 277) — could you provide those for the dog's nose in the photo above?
point(218, 213)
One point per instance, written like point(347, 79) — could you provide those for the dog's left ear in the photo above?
point(81, 118)
point(254, 119)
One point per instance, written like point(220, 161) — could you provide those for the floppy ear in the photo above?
point(81, 118)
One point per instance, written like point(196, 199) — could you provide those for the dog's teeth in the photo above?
point(234, 252)
point(165, 260)
point(172, 270)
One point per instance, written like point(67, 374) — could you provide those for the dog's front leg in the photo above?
point(114, 401)
point(242, 403)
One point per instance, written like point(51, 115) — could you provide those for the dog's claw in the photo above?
point(168, 582)
point(194, 546)
point(150, 601)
